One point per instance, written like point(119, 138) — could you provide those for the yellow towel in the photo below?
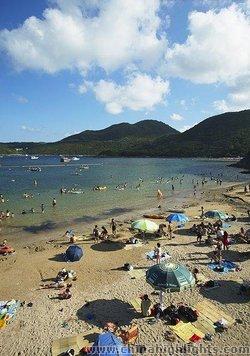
point(204, 325)
point(136, 304)
point(186, 330)
point(76, 342)
point(213, 313)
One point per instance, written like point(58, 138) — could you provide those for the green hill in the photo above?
point(222, 135)
point(225, 135)
point(142, 129)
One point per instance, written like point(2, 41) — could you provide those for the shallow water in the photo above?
point(15, 180)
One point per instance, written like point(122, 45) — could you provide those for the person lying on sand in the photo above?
point(62, 275)
point(56, 285)
point(132, 240)
point(66, 294)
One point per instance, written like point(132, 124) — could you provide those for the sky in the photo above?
point(72, 65)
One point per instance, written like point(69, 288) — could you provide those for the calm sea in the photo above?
point(15, 180)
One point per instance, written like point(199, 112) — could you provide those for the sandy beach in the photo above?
point(110, 289)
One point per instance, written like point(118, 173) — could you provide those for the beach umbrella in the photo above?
point(177, 217)
point(169, 277)
point(74, 253)
point(216, 214)
point(145, 225)
point(107, 344)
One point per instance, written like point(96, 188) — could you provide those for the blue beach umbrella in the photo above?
point(177, 217)
point(74, 253)
point(107, 344)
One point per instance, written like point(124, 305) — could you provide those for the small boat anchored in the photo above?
point(75, 159)
point(65, 159)
point(34, 157)
point(34, 169)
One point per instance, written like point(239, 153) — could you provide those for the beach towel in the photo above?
point(211, 312)
point(8, 310)
point(204, 325)
point(187, 332)
point(136, 304)
point(227, 266)
point(76, 342)
point(151, 256)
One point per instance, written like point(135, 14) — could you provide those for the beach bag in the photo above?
point(187, 313)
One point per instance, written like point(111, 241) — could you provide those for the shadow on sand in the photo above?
point(108, 246)
point(45, 226)
point(228, 292)
point(59, 257)
point(101, 311)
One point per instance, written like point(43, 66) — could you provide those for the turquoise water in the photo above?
point(15, 180)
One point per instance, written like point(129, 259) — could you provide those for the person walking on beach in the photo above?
point(42, 208)
point(219, 250)
point(54, 202)
point(113, 226)
point(158, 253)
point(199, 234)
point(96, 233)
point(170, 230)
point(225, 241)
point(202, 212)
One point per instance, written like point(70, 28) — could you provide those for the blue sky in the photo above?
point(71, 65)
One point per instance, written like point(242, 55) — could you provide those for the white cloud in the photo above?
point(140, 92)
point(238, 98)
point(187, 127)
point(176, 117)
point(81, 34)
point(213, 3)
point(217, 49)
point(30, 129)
point(21, 99)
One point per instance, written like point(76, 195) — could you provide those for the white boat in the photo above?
point(75, 159)
point(65, 159)
point(34, 169)
point(34, 157)
point(75, 191)
point(83, 166)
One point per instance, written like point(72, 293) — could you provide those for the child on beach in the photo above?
point(113, 226)
point(158, 253)
point(96, 233)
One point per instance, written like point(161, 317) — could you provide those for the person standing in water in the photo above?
point(113, 226)
point(54, 202)
point(35, 182)
point(42, 208)
point(159, 194)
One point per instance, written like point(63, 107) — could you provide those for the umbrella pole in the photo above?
point(161, 298)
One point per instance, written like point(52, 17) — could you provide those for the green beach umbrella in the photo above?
point(145, 225)
point(169, 277)
point(216, 214)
